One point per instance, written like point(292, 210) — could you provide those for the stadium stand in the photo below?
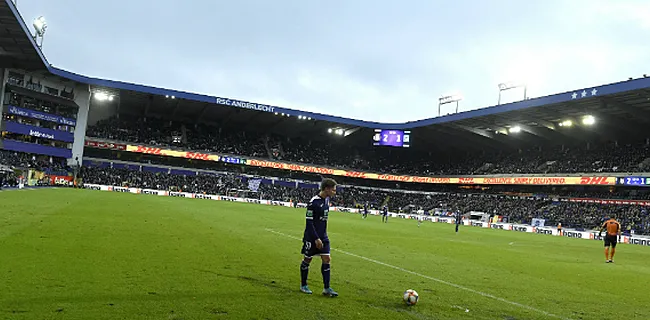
point(606, 157)
point(515, 207)
point(48, 164)
point(52, 118)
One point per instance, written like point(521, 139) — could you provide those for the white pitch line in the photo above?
point(487, 295)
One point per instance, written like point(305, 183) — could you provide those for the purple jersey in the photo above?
point(316, 219)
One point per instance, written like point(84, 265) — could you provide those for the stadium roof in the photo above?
point(623, 108)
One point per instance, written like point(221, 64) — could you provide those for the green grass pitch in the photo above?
point(80, 254)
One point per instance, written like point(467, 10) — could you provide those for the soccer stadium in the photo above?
point(127, 201)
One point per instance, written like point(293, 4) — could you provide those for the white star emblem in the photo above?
point(584, 93)
point(574, 95)
point(593, 92)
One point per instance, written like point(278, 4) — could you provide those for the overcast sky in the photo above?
point(375, 60)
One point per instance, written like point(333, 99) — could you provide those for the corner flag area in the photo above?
point(82, 254)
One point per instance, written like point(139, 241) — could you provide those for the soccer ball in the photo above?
point(411, 297)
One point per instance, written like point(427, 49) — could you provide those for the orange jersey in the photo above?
point(612, 226)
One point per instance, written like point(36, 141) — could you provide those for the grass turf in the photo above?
point(79, 254)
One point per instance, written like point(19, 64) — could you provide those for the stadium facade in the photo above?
point(47, 111)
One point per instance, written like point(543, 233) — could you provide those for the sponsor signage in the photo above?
point(639, 241)
point(572, 234)
point(105, 145)
point(245, 105)
point(120, 189)
point(39, 132)
point(172, 153)
point(61, 180)
point(579, 180)
point(41, 116)
point(181, 194)
point(611, 201)
point(203, 196)
point(543, 230)
point(520, 228)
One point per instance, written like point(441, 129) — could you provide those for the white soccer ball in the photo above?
point(411, 297)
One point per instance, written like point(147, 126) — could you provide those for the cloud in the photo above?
point(372, 60)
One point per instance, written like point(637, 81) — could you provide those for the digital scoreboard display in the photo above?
point(392, 138)
point(634, 181)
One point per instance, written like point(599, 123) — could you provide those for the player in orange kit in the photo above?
point(611, 238)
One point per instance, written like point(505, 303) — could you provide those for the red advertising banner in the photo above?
point(612, 201)
point(60, 180)
point(105, 145)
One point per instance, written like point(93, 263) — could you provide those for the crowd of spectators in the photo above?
point(518, 209)
point(195, 137)
point(46, 106)
point(603, 157)
point(23, 160)
point(203, 183)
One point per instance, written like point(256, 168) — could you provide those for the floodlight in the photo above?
point(40, 26)
point(103, 96)
point(449, 99)
point(511, 85)
point(329, 130)
point(566, 123)
point(515, 129)
point(588, 120)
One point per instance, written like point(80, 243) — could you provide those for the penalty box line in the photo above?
point(483, 294)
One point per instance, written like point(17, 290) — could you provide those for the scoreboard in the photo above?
point(634, 181)
point(392, 138)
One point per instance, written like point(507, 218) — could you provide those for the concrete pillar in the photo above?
point(82, 99)
point(5, 74)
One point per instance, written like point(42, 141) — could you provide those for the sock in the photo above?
point(612, 256)
point(304, 273)
point(606, 253)
point(325, 269)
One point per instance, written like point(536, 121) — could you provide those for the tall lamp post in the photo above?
point(40, 26)
point(449, 99)
point(511, 85)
